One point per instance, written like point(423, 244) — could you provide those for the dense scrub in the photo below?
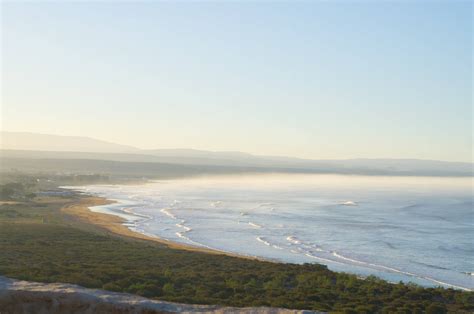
point(54, 250)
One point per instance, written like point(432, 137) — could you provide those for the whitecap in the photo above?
point(293, 240)
point(349, 203)
point(255, 225)
point(167, 212)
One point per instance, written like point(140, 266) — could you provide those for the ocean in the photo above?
point(410, 229)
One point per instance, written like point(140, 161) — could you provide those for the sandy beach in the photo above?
point(80, 210)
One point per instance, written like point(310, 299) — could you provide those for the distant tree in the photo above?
point(7, 193)
point(16, 186)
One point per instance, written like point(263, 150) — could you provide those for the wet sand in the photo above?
point(80, 210)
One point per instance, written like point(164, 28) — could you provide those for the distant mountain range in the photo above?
point(47, 142)
point(43, 146)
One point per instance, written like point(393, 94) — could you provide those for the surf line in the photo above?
point(394, 270)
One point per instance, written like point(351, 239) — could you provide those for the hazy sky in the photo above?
point(308, 79)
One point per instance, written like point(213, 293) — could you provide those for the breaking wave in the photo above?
point(267, 243)
point(255, 225)
point(167, 212)
point(394, 270)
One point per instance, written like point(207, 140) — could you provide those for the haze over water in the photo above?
point(398, 228)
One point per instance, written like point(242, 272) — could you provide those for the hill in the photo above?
point(42, 147)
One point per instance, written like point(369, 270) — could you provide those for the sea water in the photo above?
point(409, 229)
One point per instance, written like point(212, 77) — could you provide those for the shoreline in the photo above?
point(116, 224)
point(80, 210)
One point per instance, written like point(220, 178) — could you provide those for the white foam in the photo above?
point(261, 239)
point(322, 258)
point(255, 225)
point(349, 203)
point(133, 213)
point(186, 228)
point(167, 212)
point(394, 270)
point(181, 235)
point(293, 240)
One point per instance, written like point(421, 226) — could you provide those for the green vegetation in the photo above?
point(18, 186)
point(39, 243)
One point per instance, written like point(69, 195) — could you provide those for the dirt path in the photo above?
point(27, 297)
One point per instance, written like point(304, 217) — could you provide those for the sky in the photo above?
point(312, 79)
